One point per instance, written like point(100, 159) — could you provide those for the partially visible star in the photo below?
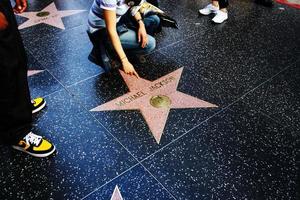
point(154, 99)
point(49, 15)
point(294, 1)
point(33, 72)
point(117, 194)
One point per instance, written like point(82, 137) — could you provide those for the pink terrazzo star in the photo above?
point(49, 15)
point(117, 194)
point(142, 93)
point(33, 72)
point(292, 3)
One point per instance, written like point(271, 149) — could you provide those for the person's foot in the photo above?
point(208, 9)
point(100, 59)
point(37, 104)
point(220, 17)
point(35, 145)
point(267, 3)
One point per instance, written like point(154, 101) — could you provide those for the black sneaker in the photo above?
point(37, 104)
point(100, 59)
point(35, 145)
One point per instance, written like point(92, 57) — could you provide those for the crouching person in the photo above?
point(110, 26)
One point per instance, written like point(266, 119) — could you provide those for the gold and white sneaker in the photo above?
point(35, 145)
point(38, 104)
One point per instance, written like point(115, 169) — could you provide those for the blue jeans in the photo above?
point(129, 39)
point(103, 50)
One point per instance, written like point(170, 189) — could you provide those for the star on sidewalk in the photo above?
point(292, 3)
point(49, 15)
point(116, 194)
point(33, 72)
point(154, 99)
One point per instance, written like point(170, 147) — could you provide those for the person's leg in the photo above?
point(152, 24)
point(222, 13)
point(216, 4)
point(15, 104)
point(129, 38)
point(131, 45)
point(223, 4)
point(99, 54)
point(213, 7)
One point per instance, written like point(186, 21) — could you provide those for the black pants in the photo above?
point(15, 105)
point(223, 3)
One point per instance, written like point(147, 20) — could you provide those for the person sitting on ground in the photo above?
point(111, 26)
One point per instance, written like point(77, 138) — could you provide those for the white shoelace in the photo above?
point(32, 138)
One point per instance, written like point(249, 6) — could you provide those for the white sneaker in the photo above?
point(220, 17)
point(208, 9)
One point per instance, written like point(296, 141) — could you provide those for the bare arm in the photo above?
point(20, 6)
point(3, 21)
point(142, 34)
point(111, 21)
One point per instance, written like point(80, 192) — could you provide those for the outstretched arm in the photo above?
point(20, 6)
point(111, 21)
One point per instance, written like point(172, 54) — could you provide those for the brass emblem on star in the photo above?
point(49, 15)
point(154, 99)
point(43, 14)
point(160, 101)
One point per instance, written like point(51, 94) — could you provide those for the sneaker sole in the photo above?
point(35, 155)
point(204, 13)
point(40, 108)
point(218, 22)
